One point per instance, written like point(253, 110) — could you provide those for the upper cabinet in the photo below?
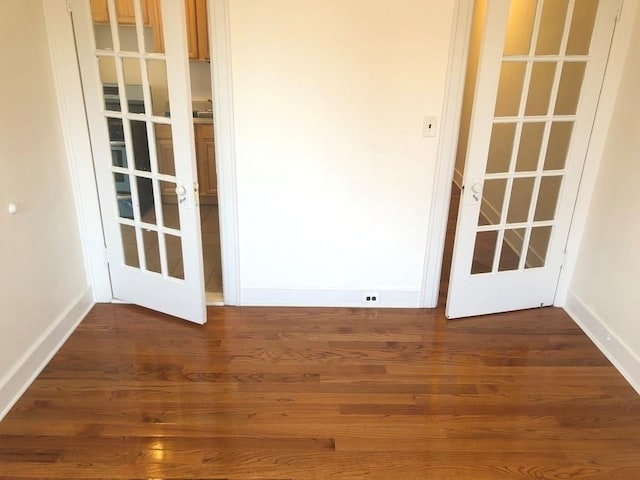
point(124, 10)
point(197, 30)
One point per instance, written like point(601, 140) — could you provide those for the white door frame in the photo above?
point(78, 148)
point(445, 161)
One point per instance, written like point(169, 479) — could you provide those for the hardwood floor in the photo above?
point(320, 393)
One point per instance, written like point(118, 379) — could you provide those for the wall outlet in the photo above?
point(370, 298)
point(430, 126)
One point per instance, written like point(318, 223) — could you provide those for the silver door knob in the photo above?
point(181, 191)
point(476, 187)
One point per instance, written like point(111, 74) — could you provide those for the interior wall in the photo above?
point(334, 177)
point(40, 251)
point(606, 274)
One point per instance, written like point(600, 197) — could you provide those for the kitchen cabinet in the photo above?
point(124, 10)
point(197, 30)
point(205, 159)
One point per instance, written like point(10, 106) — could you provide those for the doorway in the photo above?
point(142, 22)
point(534, 72)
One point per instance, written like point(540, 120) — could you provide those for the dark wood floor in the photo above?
point(283, 393)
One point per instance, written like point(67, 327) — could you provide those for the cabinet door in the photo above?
point(202, 29)
point(206, 159)
point(192, 28)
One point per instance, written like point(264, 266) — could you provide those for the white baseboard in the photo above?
point(615, 349)
point(42, 351)
point(327, 298)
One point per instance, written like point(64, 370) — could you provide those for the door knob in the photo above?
point(181, 192)
point(476, 188)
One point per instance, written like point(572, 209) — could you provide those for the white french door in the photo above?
point(540, 72)
point(134, 66)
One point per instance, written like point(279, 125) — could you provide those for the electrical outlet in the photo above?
point(370, 298)
point(430, 126)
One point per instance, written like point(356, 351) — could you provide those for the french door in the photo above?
point(134, 67)
point(540, 72)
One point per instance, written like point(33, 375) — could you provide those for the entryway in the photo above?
point(148, 90)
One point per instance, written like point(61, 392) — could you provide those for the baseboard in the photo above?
point(42, 351)
point(615, 349)
point(328, 298)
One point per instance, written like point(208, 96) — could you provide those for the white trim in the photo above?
point(327, 298)
point(613, 75)
point(77, 145)
point(222, 82)
point(612, 346)
point(33, 361)
point(446, 156)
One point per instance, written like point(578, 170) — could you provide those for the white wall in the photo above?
point(42, 270)
point(606, 281)
point(334, 177)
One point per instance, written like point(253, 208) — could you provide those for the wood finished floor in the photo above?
point(318, 393)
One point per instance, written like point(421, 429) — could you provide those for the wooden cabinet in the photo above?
point(205, 159)
point(206, 155)
point(197, 30)
point(124, 9)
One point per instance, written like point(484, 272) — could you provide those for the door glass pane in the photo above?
point(484, 251)
point(511, 249)
point(538, 246)
point(554, 14)
point(558, 147)
point(132, 76)
point(530, 146)
point(145, 197)
point(584, 16)
point(510, 89)
point(157, 71)
point(101, 25)
point(520, 27)
point(140, 145)
point(170, 213)
point(127, 26)
point(164, 148)
point(129, 245)
point(547, 198)
point(570, 87)
point(122, 182)
point(174, 256)
point(109, 78)
point(542, 77)
point(501, 147)
point(153, 34)
point(520, 200)
point(492, 199)
point(151, 250)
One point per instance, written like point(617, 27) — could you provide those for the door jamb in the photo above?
point(446, 156)
point(77, 143)
point(222, 83)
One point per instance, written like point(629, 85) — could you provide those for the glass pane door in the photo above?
point(134, 76)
